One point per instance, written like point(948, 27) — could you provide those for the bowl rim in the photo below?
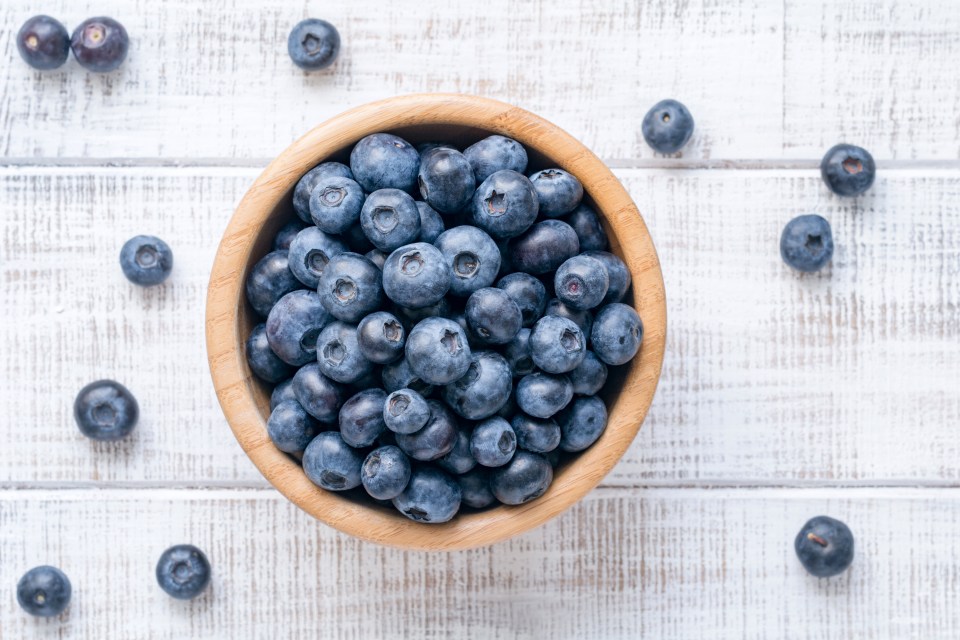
point(233, 381)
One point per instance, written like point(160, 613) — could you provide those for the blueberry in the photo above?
point(331, 463)
point(446, 179)
point(361, 418)
point(543, 394)
point(582, 422)
point(558, 192)
point(290, 427)
point(431, 224)
point(183, 571)
point(339, 355)
point(493, 315)
point(269, 280)
point(529, 294)
point(381, 337)
point(848, 170)
point(282, 393)
point(398, 375)
point(430, 496)
point(557, 345)
point(369, 380)
point(410, 317)
point(385, 161)
point(313, 44)
point(286, 234)
point(350, 287)
point(493, 442)
point(459, 460)
point(44, 591)
point(318, 394)
point(106, 410)
point(525, 478)
point(306, 185)
point(416, 275)
point(309, 254)
point(493, 154)
point(509, 408)
point(357, 240)
point(435, 439)
point(667, 126)
point(589, 376)
point(582, 318)
point(590, 233)
point(544, 247)
point(533, 434)
point(293, 326)
point(483, 389)
point(100, 44)
point(506, 267)
point(377, 257)
point(262, 360)
point(385, 473)
point(475, 488)
point(146, 260)
point(335, 203)
point(807, 243)
point(405, 411)
point(437, 351)
point(473, 258)
point(518, 355)
point(423, 147)
point(581, 282)
point(618, 275)
point(390, 219)
point(616, 334)
point(43, 43)
point(505, 204)
point(824, 546)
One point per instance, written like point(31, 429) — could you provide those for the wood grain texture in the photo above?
point(769, 378)
point(621, 564)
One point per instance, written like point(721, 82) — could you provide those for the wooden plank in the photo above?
point(216, 82)
point(770, 377)
point(877, 73)
point(656, 563)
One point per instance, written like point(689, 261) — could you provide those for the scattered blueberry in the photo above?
point(381, 337)
point(557, 345)
point(269, 280)
point(390, 219)
point(618, 275)
point(385, 161)
point(331, 463)
point(616, 333)
point(558, 192)
point(146, 260)
point(518, 355)
point(475, 488)
point(848, 170)
point(309, 254)
point(807, 243)
point(493, 315)
point(335, 203)
point(286, 235)
point(339, 355)
point(435, 439)
point(290, 427)
point(430, 496)
point(405, 411)
point(281, 393)
point(582, 318)
point(44, 591)
point(43, 43)
point(493, 442)
point(544, 247)
point(446, 179)
point(667, 127)
point(589, 376)
point(582, 423)
point(495, 153)
point(293, 326)
point(106, 410)
point(541, 395)
point(398, 375)
point(183, 571)
point(437, 351)
point(824, 546)
point(590, 233)
point(459, 460)
point(416, 275)
point(385, 473)
point(505, 204)
point(100, 44)
point(483, 389)
point(318, 394)
point(313, 44)
point(309, 181)
point(533, 434)
point(350, 287)
point(361, 418)
point(525, 478)
point(529, 294)
point(581, 282)
point(431, 224)
point(264, 363)
point(473, 258)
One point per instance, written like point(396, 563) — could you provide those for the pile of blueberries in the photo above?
point(438, 325)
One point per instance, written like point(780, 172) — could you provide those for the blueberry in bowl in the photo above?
point(417, 399)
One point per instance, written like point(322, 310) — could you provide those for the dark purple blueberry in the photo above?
point(475, 488)
point(495, 153)
point(290, 427)
point(582, 423)
point(589, 376)
point(335, 203)
point(281, 393)
point(313, 44)
point(435, 439)
point(446, 179)
point(183, 571)
point(286, 234)
point(405, 411)
point(525, 478)
point(473, 258)
point(558, 192)
point(807, 243)
point(459, 460)
point(399, 375)
point(106, 410)
point(331, 463)
point(269, 280)
point(385, 161)
point(529, 294)
point(616, 334)
point(431, 224)
point(618, 275)
point(263, 362)
point(848, 170)
point(493, 315)
point(146, 260)
point(518, 355)
point(339, 355)
point(505, 205)
point(385, 473)
point(309, 254)
point(293, 326)
point(533, 434)
point(377, 257)
point(306, 184)
point(557, 345)
point(416, 275)
point(493, 442)
point(357, 240)
point(437, 351)
point(43, 43)
point(667, 127)
point(361, 418)
point(590, 233)
point(381, 337)
point(390, 219)
point(318, 394)
point(544, 247)
point(824, 546)
point(543, 394)
point(44, 591)
point(582, 318)
point(581, 282)
point(483, 389)
point(100, 44)
point(350, 287)
point(430, 496)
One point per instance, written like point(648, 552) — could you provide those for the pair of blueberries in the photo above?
point(99, 44)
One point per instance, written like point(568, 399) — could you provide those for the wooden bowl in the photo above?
point(461, 119)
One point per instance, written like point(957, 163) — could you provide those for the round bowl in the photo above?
point(268, 204)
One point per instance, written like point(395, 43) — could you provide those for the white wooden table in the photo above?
point(782, 397)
